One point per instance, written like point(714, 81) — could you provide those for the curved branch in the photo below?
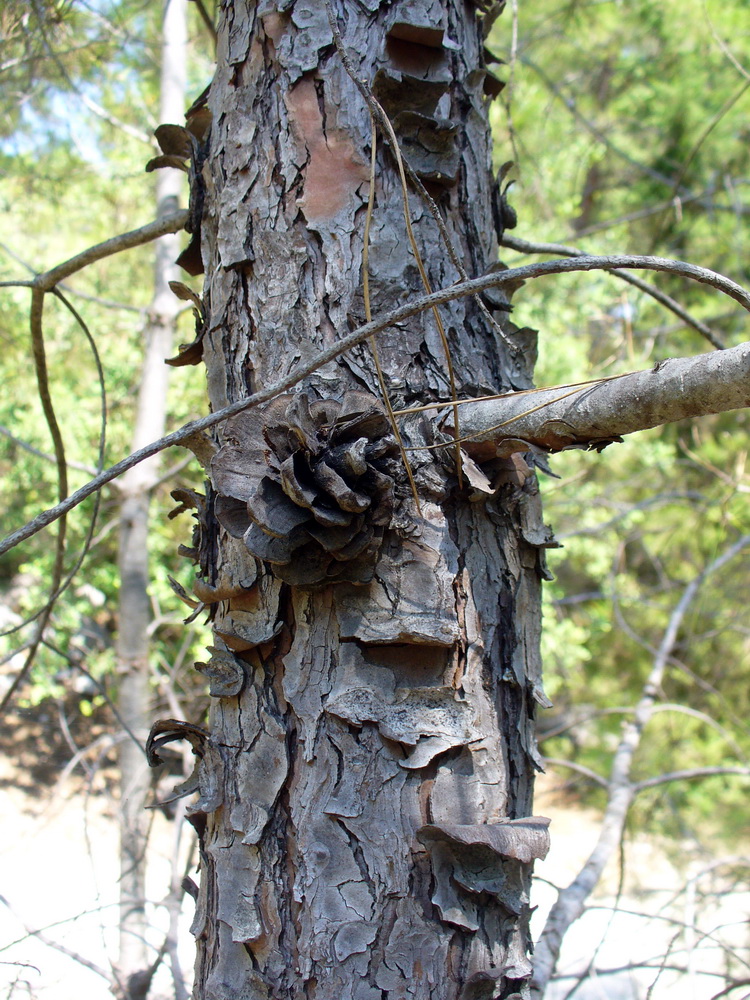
point(561, 249)
point(194, 428)
point(688, 774)
point(124, 241)
point(579, 769)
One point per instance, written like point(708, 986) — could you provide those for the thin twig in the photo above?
point(92, 105)
point(79, 466)
point(58, 586)
point(688, 774)
point(527, 272)
point(559, 249)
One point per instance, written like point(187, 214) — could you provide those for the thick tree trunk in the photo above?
point(371, 739)
point(135, 962)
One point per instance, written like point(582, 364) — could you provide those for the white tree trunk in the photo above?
point(134, 706)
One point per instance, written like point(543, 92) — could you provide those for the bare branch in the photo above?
point(182, 435)
point(688, 774)
point(88, 469)
point(571, 900)
point(570, 104)
point(579, 769)
point(560, 249)
point(593, 416)
point(125, 241)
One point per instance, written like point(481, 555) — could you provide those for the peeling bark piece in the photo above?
point(412, 599)
point(190, 259)
point(262, 770)
point(167, 731)
point(158, 162)
point(252, 629)
point(492, 86)
point(432, 720)
point(420, 34)
point(480, 486)
point(452, 908)
point(429, 145)
point(188, 500)
point(182, 593)
point(189, 354)
point(403, 92)
point(526, 840)
point(240, 866)
point(223, 591)
point(232, 515)
point(206, 775)
point(255, 621)
point(175, 140)
point(226, 674)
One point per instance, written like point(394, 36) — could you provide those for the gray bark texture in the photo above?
point(364, 790)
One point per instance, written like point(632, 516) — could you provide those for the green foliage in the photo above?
point(627, 141)
point(78, 85)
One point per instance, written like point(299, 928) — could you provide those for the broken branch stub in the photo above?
point(310, 486)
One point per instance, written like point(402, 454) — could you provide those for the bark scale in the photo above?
point(135, 961)
point(369, 743)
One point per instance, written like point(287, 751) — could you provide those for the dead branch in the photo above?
point(593, 416)
point(571, 900)
point(182, 435)
point(79, 466)
point(688, 774)
point(561, 249)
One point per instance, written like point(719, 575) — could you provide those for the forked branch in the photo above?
point(622, 790)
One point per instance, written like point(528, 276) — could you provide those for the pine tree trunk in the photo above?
point(134, 617)
point(371, 739)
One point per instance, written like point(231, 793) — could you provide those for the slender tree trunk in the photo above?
point(134, 965)
point(365, 790)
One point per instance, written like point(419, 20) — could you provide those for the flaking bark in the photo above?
point(356, 793)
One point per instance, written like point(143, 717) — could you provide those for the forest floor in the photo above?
point(58, 893)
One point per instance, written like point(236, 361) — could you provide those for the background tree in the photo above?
point(135, 965)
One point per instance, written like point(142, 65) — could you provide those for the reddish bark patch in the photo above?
point(333, 171)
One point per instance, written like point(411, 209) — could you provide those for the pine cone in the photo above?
point(309, 487)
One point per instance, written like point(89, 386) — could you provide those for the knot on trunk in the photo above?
point(310, 487)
